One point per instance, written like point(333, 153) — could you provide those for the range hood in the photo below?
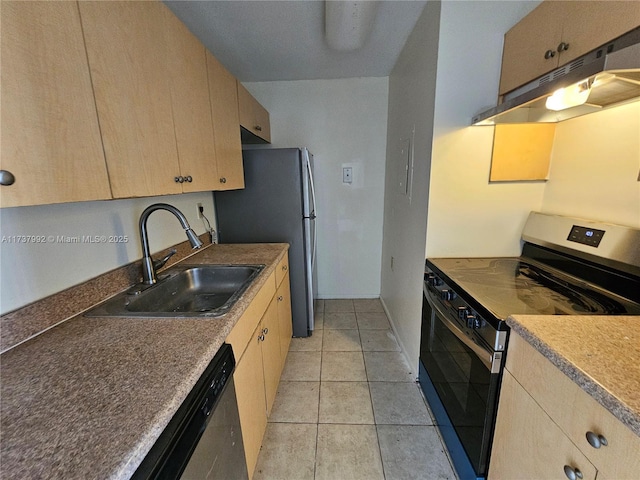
point(602, 78)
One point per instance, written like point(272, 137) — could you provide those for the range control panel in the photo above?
point(586, 236)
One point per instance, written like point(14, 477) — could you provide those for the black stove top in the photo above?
point(519, 285)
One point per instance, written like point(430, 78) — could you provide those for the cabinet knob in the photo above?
point(179, 179)
point(284, 268)
point(223, 180)
point(572, 473)
point(258, 128)
point(188, 178)
point(6, 178)
point(280, 298)
point(563, 47)
point(261, 338)
point(596, 441)
point(265, 330)
point(549, 54)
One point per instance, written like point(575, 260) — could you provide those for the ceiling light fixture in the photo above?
point(349, 23)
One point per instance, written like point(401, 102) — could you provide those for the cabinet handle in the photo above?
point(258, 128)
point(549, 54)
point(572, 473)
point(179, 179)
point(188, 178)
point(7, 178)
point(596, 441)
point(223, 180)
point(261, 338)
point(563, 47)
point(284, 268)
point(280, 298)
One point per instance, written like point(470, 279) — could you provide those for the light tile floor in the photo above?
point(348, 406)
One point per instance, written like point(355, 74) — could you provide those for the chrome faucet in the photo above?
point(149, 266)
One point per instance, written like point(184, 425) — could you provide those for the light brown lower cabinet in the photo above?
point(258, 341)
point(545, 421)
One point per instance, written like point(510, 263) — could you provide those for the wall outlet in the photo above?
point(200, 210)
point(347, 175)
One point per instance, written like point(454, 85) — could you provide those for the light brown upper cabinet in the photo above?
point(50, 139)
point(130, 74)
point(223, 95)
point(253, 117)
point(557, 32)
point(189, 83)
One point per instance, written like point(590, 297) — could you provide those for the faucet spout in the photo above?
point(148, 267)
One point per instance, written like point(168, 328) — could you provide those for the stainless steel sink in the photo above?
point(183, 291)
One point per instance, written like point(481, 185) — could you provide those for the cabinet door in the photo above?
point(271, 358)
point(527, 443)
point(249, 381)
point(50, 137)
point(253, 116)
point(190, 101)
point(590, 24)
point(223, 94)
point(524, 55)
point(283, 296)
point(127, 59)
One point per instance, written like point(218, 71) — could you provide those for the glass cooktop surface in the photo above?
point(517, 285)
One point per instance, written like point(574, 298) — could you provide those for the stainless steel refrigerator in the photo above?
point(277, 205)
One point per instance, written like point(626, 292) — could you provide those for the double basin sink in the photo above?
point(183, 291)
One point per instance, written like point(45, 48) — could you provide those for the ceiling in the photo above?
point(268, 40)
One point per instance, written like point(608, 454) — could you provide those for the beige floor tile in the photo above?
point(318, 320)
point(368, 305)
point(341, 341)
point(296, 402)
point(340, 320)
point(345, 402)
point(413, 452)
point(339, 305)
point(348, 452)
point(387, 367)
point(288, 452)
point(307, 344)
point(318, 305)
point(343, 367)
point(372, 320)
point(302, 366)
point(379, 341)
point(398, 404)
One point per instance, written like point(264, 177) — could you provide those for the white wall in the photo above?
point(411, 103)
point(343, 123)
point(467, 216)
point(595, 167)
point(31, 271)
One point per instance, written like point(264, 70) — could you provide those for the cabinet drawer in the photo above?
point(246, 325)
point(282, 269)
point(575, 411)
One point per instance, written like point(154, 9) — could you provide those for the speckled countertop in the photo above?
point(88, 398)
point(599, 353)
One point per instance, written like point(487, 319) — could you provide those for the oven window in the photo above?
point(465, 386)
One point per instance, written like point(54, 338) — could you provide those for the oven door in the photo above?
point(460, 379)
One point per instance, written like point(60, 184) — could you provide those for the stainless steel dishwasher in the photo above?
point(203, 440)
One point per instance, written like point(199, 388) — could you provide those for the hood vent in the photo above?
point(603, 78)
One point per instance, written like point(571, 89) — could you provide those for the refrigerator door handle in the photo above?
point(312, 214)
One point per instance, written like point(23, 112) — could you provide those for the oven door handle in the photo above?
point(491, 360)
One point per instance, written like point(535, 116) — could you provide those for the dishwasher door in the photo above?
point(220, 451)
point(203, 440)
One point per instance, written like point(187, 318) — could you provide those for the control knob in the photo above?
point(467, 315)
point(447, 295)
point(433, 281)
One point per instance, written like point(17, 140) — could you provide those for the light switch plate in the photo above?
point(347, 175)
